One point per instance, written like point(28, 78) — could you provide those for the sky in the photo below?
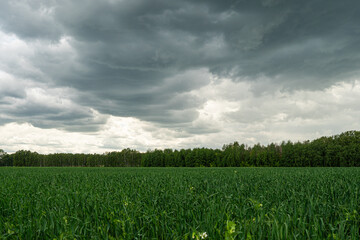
point(96, 76)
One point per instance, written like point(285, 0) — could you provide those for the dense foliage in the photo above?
point(179, 203)
point(125, 158)
point(5, 159)
point(336, 151)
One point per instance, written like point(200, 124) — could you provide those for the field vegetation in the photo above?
point(179, 203)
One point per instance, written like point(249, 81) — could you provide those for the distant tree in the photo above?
point(2, 158)
point(341, 150)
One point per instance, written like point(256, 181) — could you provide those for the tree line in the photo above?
point(24, 158)
point(341, 150)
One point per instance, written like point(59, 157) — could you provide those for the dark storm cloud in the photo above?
point(45, 115)
point(143, 58)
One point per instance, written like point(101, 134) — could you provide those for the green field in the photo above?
point(179, 203)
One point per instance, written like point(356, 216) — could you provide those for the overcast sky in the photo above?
point(96, 76)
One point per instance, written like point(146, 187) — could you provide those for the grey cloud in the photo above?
point(143, 58)
point(7, 94)
point(48, 109)
point(69, 119)
point(30, 20)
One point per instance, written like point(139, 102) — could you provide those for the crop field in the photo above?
point(179, 203)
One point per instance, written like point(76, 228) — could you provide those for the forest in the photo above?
point(341, 150)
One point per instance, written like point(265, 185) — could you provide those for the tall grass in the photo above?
point(179, 203)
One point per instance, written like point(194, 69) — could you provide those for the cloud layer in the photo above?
point(192, 71)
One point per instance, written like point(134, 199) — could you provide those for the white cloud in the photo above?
point(282, 116)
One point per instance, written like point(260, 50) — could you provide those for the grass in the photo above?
point(179, 203)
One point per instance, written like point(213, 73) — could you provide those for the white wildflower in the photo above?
point(203, 235)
